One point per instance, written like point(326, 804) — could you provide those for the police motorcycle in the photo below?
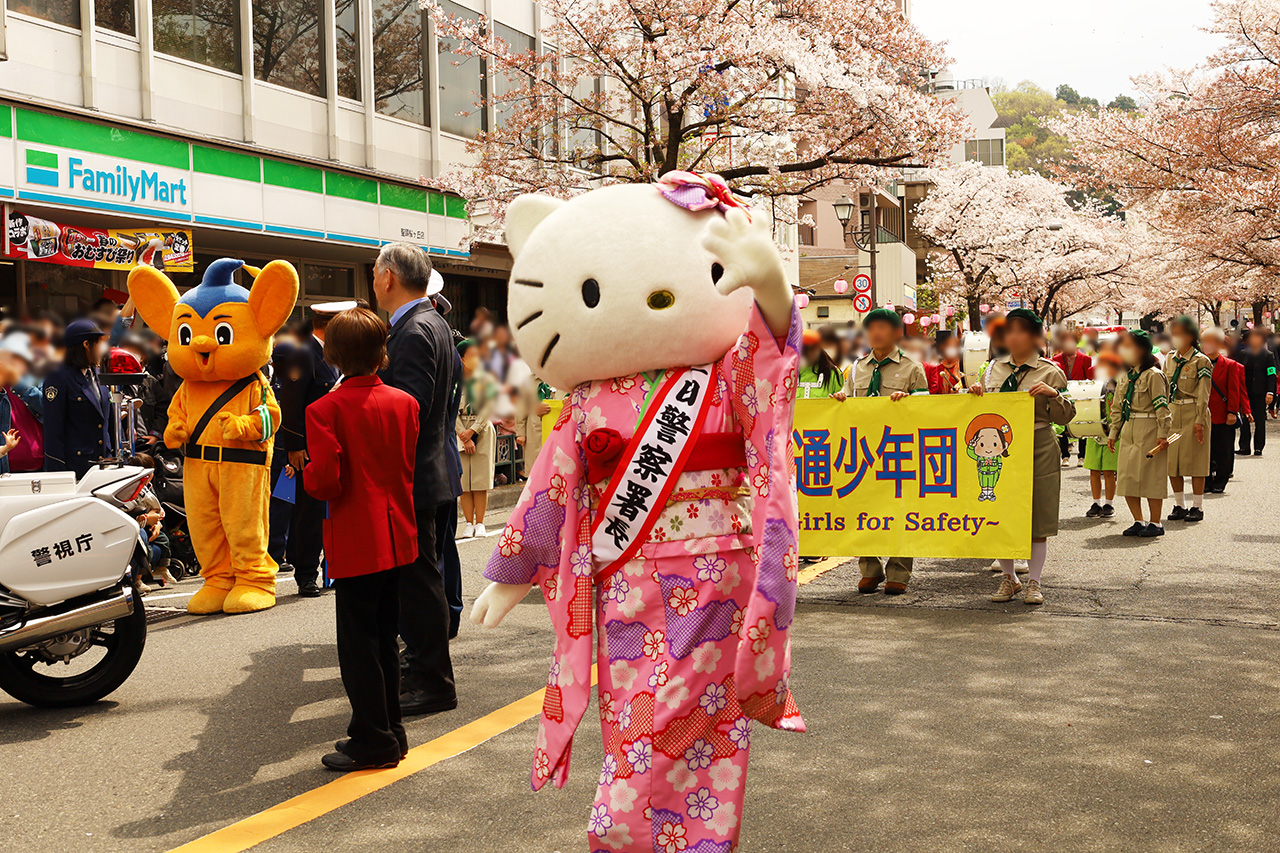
point(72, 627)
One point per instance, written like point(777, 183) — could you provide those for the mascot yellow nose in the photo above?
point(204, 343)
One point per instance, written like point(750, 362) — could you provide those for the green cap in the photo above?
point(884, 314)
point(1027, 316)
point(1142, 336)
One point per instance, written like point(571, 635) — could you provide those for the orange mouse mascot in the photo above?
point(223, 416)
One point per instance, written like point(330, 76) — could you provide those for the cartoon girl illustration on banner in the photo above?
point(988, 437)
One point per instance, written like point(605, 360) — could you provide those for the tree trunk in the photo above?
point(975, 316)
point(1258, 308)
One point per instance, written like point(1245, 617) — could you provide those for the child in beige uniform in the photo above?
point(1023, 369)
point(1140, 424)
point(886, 371)
point(1190, 383)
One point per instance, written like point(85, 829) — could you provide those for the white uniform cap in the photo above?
point(334, 307)
point(436, 284)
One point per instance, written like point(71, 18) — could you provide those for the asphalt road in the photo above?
point(1137, 711)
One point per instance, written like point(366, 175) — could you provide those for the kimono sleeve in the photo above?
point(762, 378)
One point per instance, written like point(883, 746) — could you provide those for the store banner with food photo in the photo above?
point(945, 476)
point(33, 238)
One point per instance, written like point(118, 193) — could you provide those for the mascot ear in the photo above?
point(273, 295)
point(155, 296)
point(524, 214)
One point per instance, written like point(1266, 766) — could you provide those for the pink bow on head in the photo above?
point(698, 192)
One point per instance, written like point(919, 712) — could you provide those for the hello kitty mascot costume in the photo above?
point(662, 509)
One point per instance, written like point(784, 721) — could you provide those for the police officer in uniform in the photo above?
point(77, 410)
point(886, 371)
point(305, 379)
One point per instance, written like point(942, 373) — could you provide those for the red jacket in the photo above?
point(1227, 396)
point(1081, 368)
point(362, 439)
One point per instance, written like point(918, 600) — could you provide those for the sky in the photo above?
point(1094, 45)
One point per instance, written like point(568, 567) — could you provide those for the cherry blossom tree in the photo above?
point(1002, 233)
point(1201, 160)
point(777, 96)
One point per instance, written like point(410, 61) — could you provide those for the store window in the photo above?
point(348, 47)
point(287, 48)
point(203, 31)
point(65, 12)
point(399, 78)
point(321, 280)
point(69, 291)
point(114, 15)
point(462, 82)
point(504, 84)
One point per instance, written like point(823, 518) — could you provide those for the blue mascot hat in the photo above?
point(216, 287)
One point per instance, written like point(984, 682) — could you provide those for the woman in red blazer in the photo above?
point(1077, 366)
point(362, 440)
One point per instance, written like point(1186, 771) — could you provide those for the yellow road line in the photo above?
point(312, 804)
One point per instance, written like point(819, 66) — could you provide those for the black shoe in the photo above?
point(1242, 453)
point(1094, 511)
point(1135, 529)
point(341, 746)
point(1257, 453)
point(310, 590)
point(1216, 490)
point(418, 702)
point(1108, 510)
point(1178, 513)
point(1195, 514)
point(344, 763)
point(1152, 531)
point(285, 569)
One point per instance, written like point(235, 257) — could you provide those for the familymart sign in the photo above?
point(89, 176)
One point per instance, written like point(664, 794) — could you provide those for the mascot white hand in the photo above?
point(497, 600)
point(744, 247)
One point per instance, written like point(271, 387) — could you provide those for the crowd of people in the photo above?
point(1171, 407)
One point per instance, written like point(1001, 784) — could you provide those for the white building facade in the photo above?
point(308, 130)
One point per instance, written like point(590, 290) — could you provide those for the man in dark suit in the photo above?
point(420, 357)
point(447, 513)
point(306, 377)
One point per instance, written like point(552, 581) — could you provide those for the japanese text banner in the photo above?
point(34, 239)
point(941, 476)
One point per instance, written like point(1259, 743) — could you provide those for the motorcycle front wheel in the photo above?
point(113, 650)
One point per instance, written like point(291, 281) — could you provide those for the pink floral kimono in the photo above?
point(693, 633)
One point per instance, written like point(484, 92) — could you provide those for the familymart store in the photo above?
point(70, 185)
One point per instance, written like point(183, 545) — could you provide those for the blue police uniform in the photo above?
point(77, 417)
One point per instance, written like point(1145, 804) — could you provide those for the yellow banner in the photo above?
point(946, 476)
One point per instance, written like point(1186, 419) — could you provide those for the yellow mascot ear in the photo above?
point(273, 295)
point(155, 297)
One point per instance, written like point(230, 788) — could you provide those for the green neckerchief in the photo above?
point(873, 388)
point(1014, 379)
point(1127, 405)
point(1177, 371)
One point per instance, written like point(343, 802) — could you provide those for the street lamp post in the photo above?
point(864, 239)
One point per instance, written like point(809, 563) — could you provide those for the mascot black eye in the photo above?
point(717, 273)
point(591, 293)
point(223, 334)
point(184, 335)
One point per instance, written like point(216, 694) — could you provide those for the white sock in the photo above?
point(1180, 499)
point(1007, 567)
point(1197, 501)
point(1036, 563)
point(1107, 503)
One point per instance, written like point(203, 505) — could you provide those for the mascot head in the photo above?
point(616, 282)
point(218, 330)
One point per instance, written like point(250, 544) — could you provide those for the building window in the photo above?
point(114, 15)
point(348, 46)
point(203, 31)
point(287, 48)
point(399, 75)
point(65, 12)
point(989, 151)
point(503, 84)
point(322, 280)
point(823, 312)
point(462, 83)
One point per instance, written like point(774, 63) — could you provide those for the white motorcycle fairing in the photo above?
point(58, 540)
